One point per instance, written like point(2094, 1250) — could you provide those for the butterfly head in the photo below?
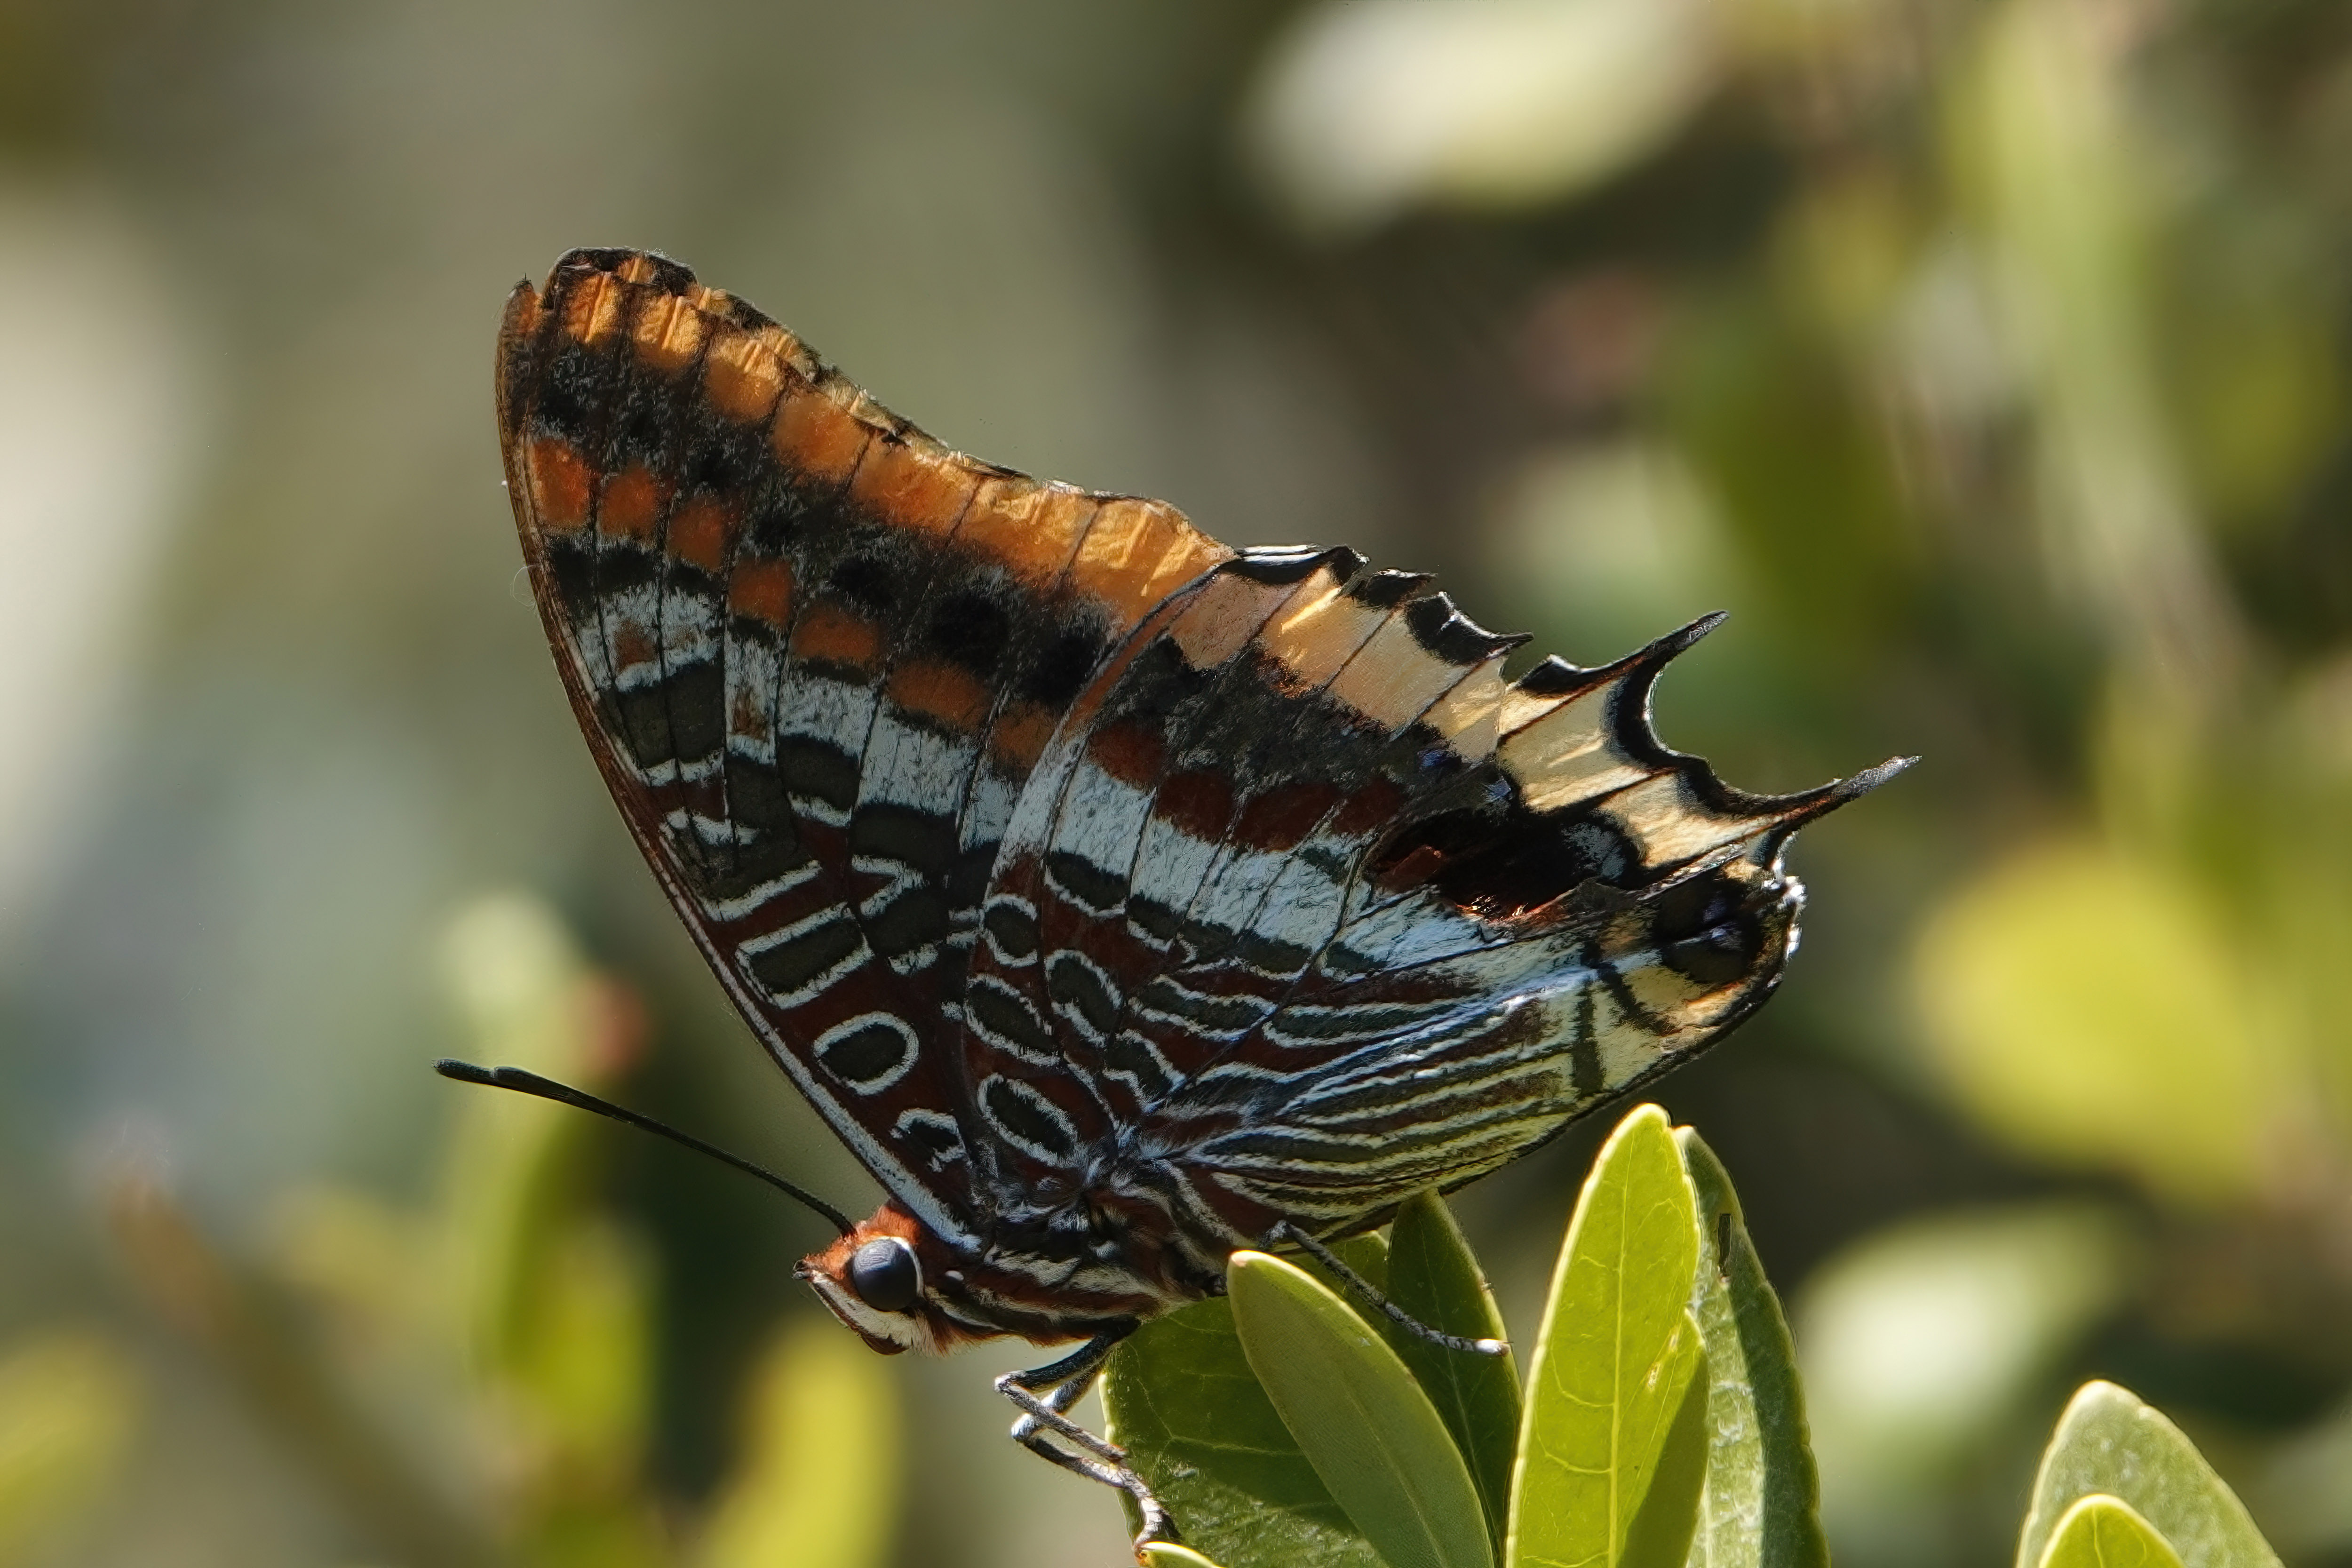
point(887, 1278)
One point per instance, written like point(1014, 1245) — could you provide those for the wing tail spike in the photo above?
point(1553, 675)
point(1779, 816)
point(1869, 779)
point(1554, 678)
point(1444, 632)
point(1635, 678)
point(1832, 795)
point(1680, 639)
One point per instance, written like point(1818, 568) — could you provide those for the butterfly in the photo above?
point(1122, 900)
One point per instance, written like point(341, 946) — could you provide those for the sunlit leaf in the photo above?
point(1432, 1275)
point(1614, 1367)
point(1666, 1523)
point(1183, 1402)
point(1166, 1554)
point(69, 1401)
point(2102, 1533)
point(1356, 1413)
point(2110, 1442)
point(1761, 1506)
point(817, 1485)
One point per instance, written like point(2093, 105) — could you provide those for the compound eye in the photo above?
point(884, 1274)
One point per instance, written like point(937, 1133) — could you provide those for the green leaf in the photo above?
point(1763, 1503)
point(1432, 1275)
point(1367, 1253)
point(1366, 1426)
point(1665, 1524)
point(1183, 1402)
point(1168, 1554)
point(2111, 1443)
point(1613, 1365)
point(2102, 1533)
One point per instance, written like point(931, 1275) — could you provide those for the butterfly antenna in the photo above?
point(523, 1082)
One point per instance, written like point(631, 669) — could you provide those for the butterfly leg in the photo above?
point(1043, 1397)
point(1284, 1233)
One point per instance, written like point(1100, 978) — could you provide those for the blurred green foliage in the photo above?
point(69, 1401)
point(1988, 358)
point(469, 1384)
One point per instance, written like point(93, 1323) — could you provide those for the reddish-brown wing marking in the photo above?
point(817, 655)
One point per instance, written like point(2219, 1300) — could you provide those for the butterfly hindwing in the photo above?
point(1309, 908)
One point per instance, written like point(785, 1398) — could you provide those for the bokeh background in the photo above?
point(1988, 358)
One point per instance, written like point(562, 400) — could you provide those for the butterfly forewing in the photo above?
point(817, 655)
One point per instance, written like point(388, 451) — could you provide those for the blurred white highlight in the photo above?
point(1366, 109)
point(96, 399)
point(1921, 1344)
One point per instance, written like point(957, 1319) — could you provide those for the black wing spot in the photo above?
point(1062, 668)
point(866, 582)
point(1009, 931)
point(697, 694)
point(817, 770)
point(717, 469)
point(641, 720)
point(560, 408)
point(1129, 1058)
point(1160, 682)
point(789, 966)
point(1002, 1014)
point(774, 524)
point(922, 841)
point(915, 919)
point(1508, 864)
point(971, 630)
point(934, 1136)
point(572, 567)
point(1087, 885)
point(867, 1055)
